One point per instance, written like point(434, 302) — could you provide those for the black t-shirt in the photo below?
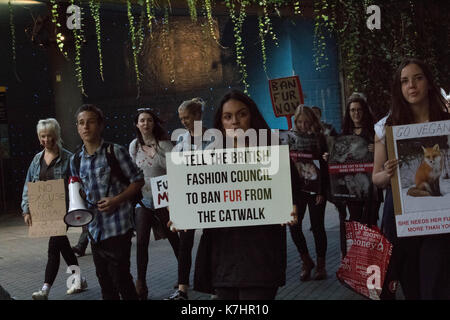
point(47, 171)
point(367, 134)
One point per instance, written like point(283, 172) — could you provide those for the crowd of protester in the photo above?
point(420, 264)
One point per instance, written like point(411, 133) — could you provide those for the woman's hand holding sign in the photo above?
point(173, 229)
point(294, 215)
point(27, 219)
point(390, 166)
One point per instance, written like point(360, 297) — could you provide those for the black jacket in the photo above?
point(243, 256)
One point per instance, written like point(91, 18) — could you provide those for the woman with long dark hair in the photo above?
point(247, 263)
point(358, 121)
point(148, 152)
point(421, 264)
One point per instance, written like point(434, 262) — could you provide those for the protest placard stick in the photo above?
point(289, 121)
point(394, 179)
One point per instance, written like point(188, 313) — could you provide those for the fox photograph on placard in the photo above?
point(421, 185)
point(304, 154)
point(424, 173)
point(350, 167)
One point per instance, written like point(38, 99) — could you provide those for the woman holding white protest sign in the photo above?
point(49, 164)
point(421, 264)
point(148, 151)
point(242, 263)
point(306, 143)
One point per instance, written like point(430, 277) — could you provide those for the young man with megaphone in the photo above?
point(111, 229)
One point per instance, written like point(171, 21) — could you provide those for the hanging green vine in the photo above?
point(78, 37)
point(319, 45)
point(297, 9)
point(238, 21)
point(193, 9)
point(134, 48)
point(207, 6)
point(368, 58)
point(140, 31)
point(59, 35)
point(262, 30)
point(95, 11)
point(13, 31)
point(150, 6)
point(268, 22)
point(166, 47)
point(13, 39)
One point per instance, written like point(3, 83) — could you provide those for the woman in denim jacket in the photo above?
point(49, 164)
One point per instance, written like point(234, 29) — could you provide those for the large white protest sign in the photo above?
point(159, 191)
point(421, 185)
point(229, 187)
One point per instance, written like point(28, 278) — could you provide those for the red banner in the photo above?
point(296, 156)
point(350, 168)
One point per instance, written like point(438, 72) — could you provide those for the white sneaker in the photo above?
point(74, 289)
point(40, 295)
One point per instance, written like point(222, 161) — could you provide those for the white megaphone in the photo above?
point(78, 215)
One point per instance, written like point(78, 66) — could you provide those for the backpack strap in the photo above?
point(135, 149)
point(116, 170)
point(113, 163)
point(77, 159)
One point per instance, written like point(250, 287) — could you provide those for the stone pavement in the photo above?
point(23, 260)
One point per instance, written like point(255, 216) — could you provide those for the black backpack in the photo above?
point(116, 170)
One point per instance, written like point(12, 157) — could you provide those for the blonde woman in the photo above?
point(189, 111)
point(49, 164)
point(307, 135)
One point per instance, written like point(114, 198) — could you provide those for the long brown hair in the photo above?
point(159, 133)
point(316, 127)
point(401, 112)
point(367, 119)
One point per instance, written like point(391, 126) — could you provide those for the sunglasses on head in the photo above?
point(144, 109)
